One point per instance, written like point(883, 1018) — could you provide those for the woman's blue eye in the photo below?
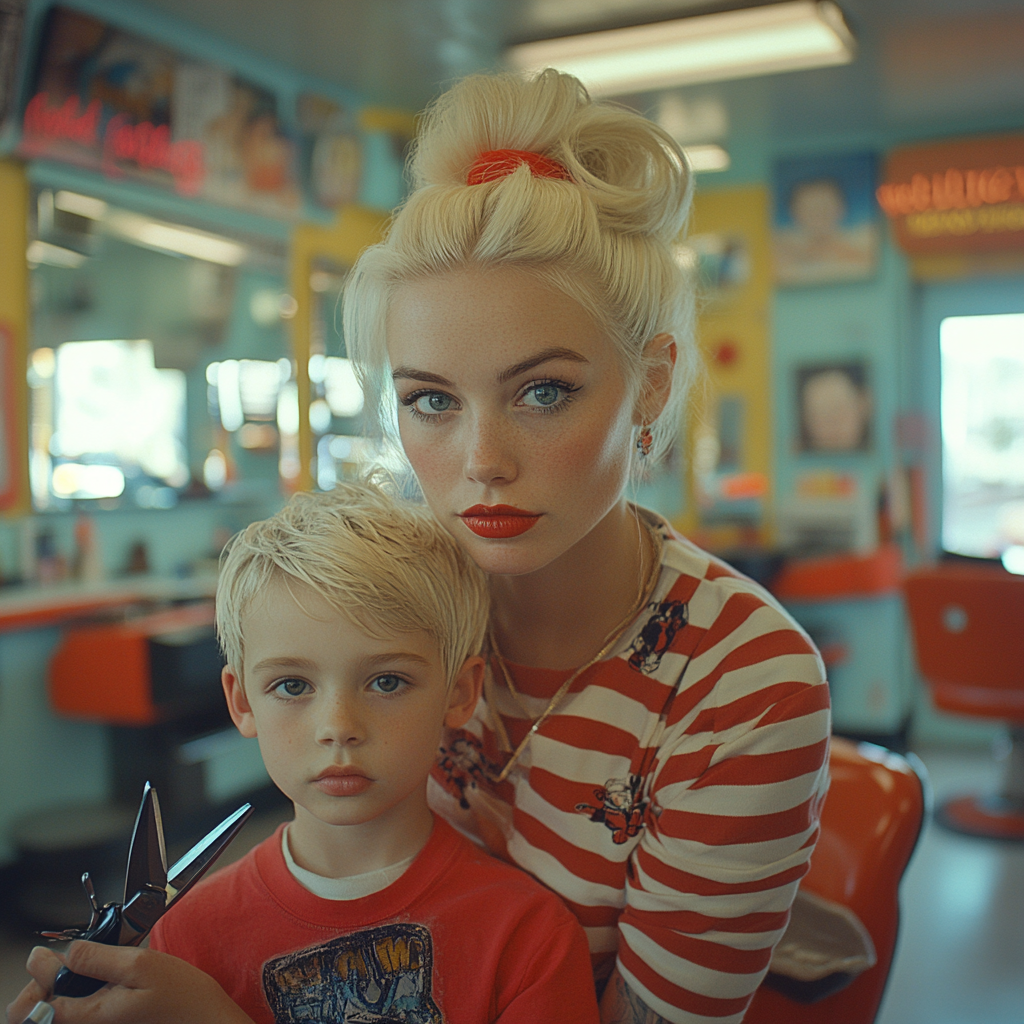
point(387, 684)
point(432, 402)
point(542, 394)
point(292, 687)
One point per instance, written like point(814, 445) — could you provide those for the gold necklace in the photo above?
point(610, 641)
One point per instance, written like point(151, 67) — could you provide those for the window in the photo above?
point(105, 421)
point(983, 435)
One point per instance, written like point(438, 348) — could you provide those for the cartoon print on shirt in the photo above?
point(621, 810)
point(657, 634)
point(377, 976)
point(462, 765)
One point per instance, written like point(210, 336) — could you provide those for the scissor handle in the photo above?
point(67, 983)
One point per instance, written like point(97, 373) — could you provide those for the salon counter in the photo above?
point(47, 760)
point(33, 607)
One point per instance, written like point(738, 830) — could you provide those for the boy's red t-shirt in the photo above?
point(459, 938)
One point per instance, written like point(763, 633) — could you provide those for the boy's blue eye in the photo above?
point(387, 684)
point(292, 687)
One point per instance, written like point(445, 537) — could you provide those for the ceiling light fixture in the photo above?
point(83, 206)
point(708, 157)
point(155, 234)
point(52, 255)
point(790, 36)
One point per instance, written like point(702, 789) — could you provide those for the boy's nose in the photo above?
point(341, 724)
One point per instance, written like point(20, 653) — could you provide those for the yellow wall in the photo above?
point(14, 313)
point(342, 242)
point(740, 317)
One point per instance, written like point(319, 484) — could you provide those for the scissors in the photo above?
point(150, 890)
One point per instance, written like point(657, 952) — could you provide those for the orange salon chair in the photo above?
point(968, 626)
point(870, 823)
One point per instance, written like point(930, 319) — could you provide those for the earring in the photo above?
point(644, 441)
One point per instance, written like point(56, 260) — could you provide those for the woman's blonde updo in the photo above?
point(605, 238)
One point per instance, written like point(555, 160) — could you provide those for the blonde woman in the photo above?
point(652, 742)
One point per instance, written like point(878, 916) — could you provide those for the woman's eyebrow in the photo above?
point(409, 373)
point(545, 356)
point(541, 357)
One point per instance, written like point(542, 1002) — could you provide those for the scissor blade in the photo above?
point(186, 871)
point(147, 858)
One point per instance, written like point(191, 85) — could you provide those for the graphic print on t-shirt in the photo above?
point(377, 976)
point(657, 634)
point(620, 808)
point(462, 765)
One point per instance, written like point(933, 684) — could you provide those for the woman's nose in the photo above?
point(490, 451)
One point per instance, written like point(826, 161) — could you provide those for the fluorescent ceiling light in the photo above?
point(707, 48)
point(84, 206)
point(707, 158)
point(155, 234)
point(52, 255)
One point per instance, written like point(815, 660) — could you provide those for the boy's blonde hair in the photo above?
point(386, 564)
point(606, 238)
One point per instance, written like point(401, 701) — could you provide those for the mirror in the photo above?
point(160, 368)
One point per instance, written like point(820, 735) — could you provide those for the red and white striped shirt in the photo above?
point(672, 799)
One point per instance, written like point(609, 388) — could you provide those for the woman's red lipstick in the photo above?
point(498, 521)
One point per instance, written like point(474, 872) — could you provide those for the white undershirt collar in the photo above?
point(353, 887)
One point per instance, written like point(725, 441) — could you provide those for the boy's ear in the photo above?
point(464, 693)
point(238, 704)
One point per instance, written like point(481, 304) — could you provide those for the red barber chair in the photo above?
point(869, 826)
point(968, 626)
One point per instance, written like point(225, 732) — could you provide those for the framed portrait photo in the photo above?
point(825, 225)
point(834, 407)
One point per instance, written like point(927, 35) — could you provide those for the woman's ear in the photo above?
point(464, 693)
point(238, 703)
point(659, 361)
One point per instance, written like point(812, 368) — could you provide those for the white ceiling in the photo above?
point(919, 61)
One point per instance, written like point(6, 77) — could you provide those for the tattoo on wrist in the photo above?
point(630, 1008)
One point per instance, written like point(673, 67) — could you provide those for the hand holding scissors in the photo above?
point(150, 890)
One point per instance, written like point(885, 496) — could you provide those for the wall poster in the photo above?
point(111, 101)
point(834, 407)
point(825, 226)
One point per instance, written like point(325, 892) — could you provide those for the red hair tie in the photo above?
point(496, 163)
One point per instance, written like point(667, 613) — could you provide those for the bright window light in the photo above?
point(343, 393)
point(982, 434)
point(74, 480)
point(706, 48)
point(115, 413)
point(229, 394)
point(288, 408)
point(259, 381)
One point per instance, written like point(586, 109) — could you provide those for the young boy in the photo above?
point(350, 625)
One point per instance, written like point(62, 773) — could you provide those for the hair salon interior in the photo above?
point(183, 186)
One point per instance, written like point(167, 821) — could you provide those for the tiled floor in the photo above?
point(960, 958)
point(961, 953)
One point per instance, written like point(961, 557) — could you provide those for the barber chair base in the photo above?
point(990, 817)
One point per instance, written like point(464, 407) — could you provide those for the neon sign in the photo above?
point(955, 189)
point(145, 145)
point(956, 197)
